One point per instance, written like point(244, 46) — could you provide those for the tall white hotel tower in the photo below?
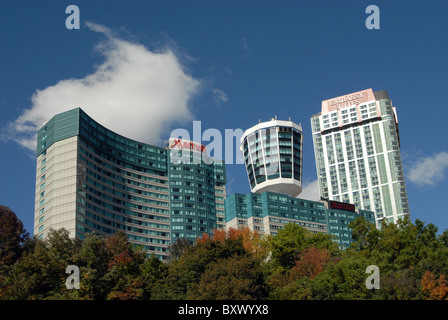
point(357, 151)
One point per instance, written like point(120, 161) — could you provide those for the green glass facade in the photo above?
point(279, 148)
point(272, 152)
point(197, 205)
point(122, 184)
point(268, 212)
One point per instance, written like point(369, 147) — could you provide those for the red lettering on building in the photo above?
point(341, 206)
point(178, 143)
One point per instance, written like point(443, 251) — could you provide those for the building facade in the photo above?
point(197, 190)
point(357, 152)
point(273, 157)
point(268, 212)
point(90, 179)
point(272, 153)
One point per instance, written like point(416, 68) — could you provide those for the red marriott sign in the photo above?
point(341, 206)
point(186, 144)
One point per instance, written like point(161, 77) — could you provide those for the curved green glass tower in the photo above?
point(90, 179)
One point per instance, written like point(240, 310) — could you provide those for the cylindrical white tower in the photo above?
point(272, 153)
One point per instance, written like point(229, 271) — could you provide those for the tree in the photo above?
point(152, 271)
point(93, 261)
point(123, 268)
point(61, 246)
point(311, 262)
point(13, 242)
point(40, 273)
point(12, 237)
point(444, 238)
point(399, 285)
point(185, 274)
point(233, 278)
point(252, 241)
point(296, 283)
point(292, 239)
point(287, 244)
point(343, 280)
point(434, 289)
point(178, 247)
point(364, 234)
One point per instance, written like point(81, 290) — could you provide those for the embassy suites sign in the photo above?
point(348, 100)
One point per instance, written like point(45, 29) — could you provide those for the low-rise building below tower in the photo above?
point(268, 212)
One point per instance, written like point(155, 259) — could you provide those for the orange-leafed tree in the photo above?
point(124, 268)
point(252, 241)
point(310, 262)
point(434, 289)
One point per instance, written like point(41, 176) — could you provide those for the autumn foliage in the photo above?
point(435, 289)
point(235, 264)
point(311, 262)
point(251, 240)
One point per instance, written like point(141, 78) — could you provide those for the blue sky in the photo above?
point(233, 62)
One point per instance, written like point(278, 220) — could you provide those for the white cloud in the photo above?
point(429, 171)
point(219, 96)
point(230, 180)
point(310, 191)
point(135, 92)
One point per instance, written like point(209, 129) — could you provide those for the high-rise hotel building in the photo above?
point(90, 179)
point(272, 152)
point(357, 152)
